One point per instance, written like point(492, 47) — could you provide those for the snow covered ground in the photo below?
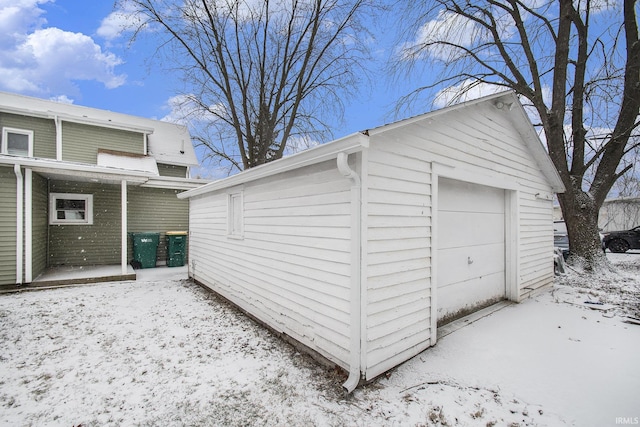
point(163, 352)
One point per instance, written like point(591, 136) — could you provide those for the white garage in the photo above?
point(360, 248)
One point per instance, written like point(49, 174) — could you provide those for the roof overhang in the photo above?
point(76, 119)
point(102, 174)
point(507, 103)
point(510, 105)
point(350, 144)
point(174, 183)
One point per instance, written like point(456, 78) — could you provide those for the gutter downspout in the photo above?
point(355, 345)
point(58, 123)
point(19, 221)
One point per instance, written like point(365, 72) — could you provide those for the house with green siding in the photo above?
point(76, 182)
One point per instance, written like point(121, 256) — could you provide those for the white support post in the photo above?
point(123, 209)
point(28, 226)
point(19, 222)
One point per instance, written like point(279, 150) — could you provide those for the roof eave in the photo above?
point(523, 125)
point(350, 144)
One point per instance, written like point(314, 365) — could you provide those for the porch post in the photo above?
point(123, 210)
point(19, 222)
point(28, 225)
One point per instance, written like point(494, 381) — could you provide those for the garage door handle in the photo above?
point(469, 260)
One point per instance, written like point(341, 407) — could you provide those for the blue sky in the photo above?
point(69, 50)
point(65, 49)
point(82, 65)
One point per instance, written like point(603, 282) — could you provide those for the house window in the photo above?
point(17, 142)
point(235, 215)
point(66, 208)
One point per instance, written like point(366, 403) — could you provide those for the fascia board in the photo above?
point(174, 183)
point(74, 169)
point(433, 114)
point(77, 119)
point(349, 144)
point(523, 124)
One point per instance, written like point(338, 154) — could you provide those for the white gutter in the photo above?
point(19, 223)
point(84, 120)
point(355, 345)
point(76, 169)
point(175, 183)
point(349, 144)
point(28, 226)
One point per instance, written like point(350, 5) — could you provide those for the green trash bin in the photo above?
point(176, 248)
point(145, 249)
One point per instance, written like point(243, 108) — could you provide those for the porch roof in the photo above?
point(99, 173)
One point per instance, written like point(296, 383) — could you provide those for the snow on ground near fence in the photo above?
point(165, 352)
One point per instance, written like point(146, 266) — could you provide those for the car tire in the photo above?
point(618, 246)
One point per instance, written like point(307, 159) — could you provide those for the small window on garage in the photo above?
point(68, 208)
point(235, 217)
point(18, 142)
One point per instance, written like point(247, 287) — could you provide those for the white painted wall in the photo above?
point(398, 254)
point(478, 144)
point(292, 268)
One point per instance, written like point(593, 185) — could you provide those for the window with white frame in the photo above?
point(235, 216)
point(68, 208)
point(18, 142)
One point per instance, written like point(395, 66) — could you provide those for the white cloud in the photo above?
point(63, 99)
point(46, 60)
point(465, 91)
point(183, 110)
point(17, 16)
point(119, 22)
point(449, 27)
point(299, 143)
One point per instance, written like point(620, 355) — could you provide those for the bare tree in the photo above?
point(576, 63)
point(263, 71)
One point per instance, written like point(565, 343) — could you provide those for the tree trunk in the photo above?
point(581, 212)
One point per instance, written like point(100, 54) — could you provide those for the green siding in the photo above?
point(44, 132)
point(97, 244)
point(172, 170)
point(80, 143)
point(156, 210)
point(149, 210)
point(7, 226)
point(40, 221)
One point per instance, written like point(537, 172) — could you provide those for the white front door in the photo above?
point(471, 248)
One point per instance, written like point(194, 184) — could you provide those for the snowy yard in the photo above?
point(167, 353)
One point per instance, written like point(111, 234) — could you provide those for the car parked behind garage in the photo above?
point(622, 241)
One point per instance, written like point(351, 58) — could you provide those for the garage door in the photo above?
point(471, 248)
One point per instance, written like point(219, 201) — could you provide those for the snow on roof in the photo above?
point(136, 163)
point(169, 143)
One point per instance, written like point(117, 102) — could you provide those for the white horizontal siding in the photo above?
point(292, 268)
point(398, 268)
point(478, 141)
